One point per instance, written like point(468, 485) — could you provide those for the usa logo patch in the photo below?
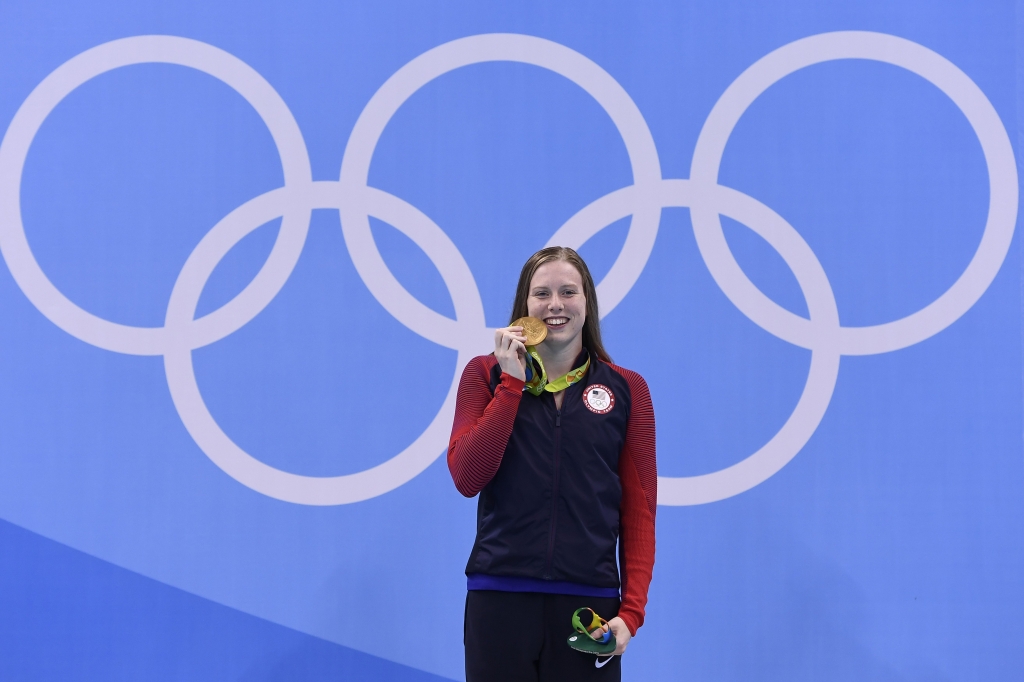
point(599, 399)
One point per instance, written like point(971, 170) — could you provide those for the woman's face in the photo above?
point(556, 297)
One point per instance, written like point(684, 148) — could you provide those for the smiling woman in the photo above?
point(559, 443)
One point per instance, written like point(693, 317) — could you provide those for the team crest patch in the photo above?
point(599, 399)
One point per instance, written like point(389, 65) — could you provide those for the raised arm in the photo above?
point(483, 424)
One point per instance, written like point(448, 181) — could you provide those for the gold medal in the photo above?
point(534, 330)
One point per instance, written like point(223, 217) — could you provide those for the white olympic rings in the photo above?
point(820, 332)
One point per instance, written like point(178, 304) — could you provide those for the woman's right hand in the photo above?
point(510, 350)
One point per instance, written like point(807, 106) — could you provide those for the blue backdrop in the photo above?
point(249, 246)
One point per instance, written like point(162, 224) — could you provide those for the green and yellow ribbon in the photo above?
point(537, 377)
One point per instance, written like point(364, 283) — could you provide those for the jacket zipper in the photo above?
point(554, 493)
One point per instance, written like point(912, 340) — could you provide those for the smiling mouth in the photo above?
point(556, 322)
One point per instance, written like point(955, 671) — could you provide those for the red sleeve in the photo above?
point(638, 471)
point(483, 424)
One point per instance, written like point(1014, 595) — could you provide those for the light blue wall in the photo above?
point(889, 547)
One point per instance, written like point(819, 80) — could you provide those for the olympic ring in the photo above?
point(49, 93)
point(355, 200)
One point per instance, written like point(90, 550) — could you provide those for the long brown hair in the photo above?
point(592, 325)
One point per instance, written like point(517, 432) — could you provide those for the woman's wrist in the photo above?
point(512, 383)
point(622, 634)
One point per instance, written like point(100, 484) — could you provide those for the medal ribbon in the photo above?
point(537, 377)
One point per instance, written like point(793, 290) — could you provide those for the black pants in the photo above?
point(520, 637)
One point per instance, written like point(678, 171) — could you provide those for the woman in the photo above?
point(559, 442)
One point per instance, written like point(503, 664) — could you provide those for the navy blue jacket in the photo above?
point(559, 488)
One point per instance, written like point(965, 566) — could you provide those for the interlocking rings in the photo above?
point(820, 332)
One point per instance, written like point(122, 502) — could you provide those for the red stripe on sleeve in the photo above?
point(483, 424)
point(638, 471)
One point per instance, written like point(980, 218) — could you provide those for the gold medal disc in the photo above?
point(534, 330)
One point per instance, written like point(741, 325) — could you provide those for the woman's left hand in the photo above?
point(621, 634)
